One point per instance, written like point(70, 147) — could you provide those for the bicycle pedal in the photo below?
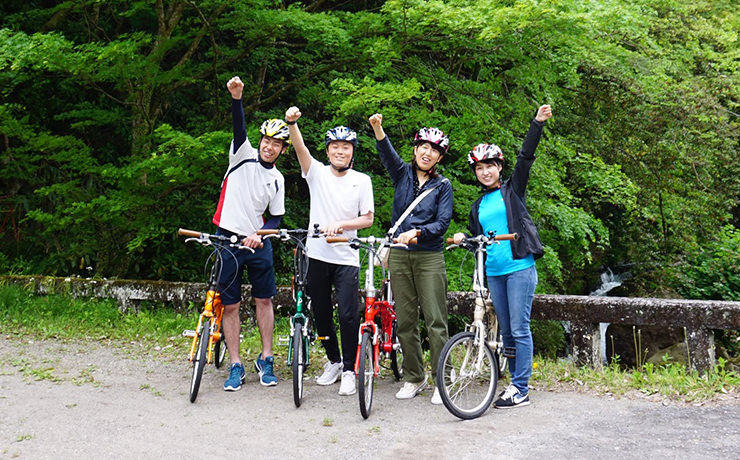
point(322, 337)
point(284, 339)
point(188, 333)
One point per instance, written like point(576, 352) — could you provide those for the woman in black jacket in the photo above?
point(418, 273)
point(510, 266)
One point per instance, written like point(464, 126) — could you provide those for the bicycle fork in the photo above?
point(213, 302)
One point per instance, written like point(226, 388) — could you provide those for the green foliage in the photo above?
point(713, 271)
point(58, 316)
point(114, 123)
point(548, 337)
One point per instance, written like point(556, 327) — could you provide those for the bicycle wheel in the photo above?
point(467, 376)
point(367, 374)
point(397, 363)
point(219, 352)
point(199, 360)
point(298, 364)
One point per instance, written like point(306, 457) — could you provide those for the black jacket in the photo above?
point(432, 215)
point(514, 192)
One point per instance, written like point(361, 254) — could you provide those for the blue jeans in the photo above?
point(512, 296)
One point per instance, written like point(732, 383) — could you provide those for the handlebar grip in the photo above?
point(507, 236)
point(413, 240)
point(337, 239)
point(267, 231)
point(450, 241)
point(185, 232)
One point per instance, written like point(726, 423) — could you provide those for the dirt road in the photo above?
point(65, 400)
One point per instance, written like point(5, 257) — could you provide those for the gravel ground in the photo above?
point(81, 399)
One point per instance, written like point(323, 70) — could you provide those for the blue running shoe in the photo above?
point(236, 378)
point(264, 369)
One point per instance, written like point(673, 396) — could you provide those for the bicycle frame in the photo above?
point(301, 298)
point(374, 308)
point(471, 362)
point(483, 307)
point(485, 321)
point(201, 350)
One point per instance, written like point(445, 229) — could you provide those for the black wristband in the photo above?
point(290, 122)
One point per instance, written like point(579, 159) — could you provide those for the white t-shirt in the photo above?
point(336, 198)
point(248, 189)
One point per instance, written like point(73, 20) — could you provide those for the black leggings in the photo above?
point(321, 276)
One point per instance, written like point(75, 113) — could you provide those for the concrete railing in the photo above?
point(698, 317)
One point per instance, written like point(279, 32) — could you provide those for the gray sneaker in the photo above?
point(409, 390)
point(332, 371)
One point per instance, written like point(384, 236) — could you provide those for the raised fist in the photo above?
point(235, 87)
point(376, 121)
point(544, 113)
point(292, 114)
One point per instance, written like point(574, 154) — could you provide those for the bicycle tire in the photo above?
point(199, 360)
point(367, 374)
point(298, 364)
point(467, 392)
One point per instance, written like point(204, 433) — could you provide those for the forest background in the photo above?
point(115, 124)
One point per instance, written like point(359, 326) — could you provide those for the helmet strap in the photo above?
point(427, 172)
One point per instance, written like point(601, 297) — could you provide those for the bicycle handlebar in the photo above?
point(503, 236)
point(186, 232)
point(344, 239)
point(207, 237)
point(275, 231)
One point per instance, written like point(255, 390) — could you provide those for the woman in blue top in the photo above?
point(510, 266)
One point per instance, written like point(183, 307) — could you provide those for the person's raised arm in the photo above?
point(388, 155)
point(376, 121)
point(304, 156)
point(525, 157)
point(236, 87)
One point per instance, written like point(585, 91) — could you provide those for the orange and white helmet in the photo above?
point(483, 152)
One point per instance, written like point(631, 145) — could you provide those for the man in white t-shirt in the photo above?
point(341, 198)
point(251, 186)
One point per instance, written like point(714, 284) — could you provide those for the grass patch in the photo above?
point(156, 329)
point(668, 380)
point(58, 316)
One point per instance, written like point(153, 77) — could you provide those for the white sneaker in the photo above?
point(348, 384)
point(409, 390)
point(332, 371)
point(436, 398)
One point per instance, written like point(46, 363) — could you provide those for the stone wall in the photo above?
point(697, 317)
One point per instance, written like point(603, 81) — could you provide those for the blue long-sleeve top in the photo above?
point(432, 215)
